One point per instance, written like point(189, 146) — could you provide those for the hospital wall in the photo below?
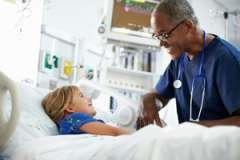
point(212, 24)
point(20, 38)
point(211, 19)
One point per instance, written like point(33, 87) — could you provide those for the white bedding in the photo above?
point(186, 142)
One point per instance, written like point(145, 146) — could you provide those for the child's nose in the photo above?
point(89, 99)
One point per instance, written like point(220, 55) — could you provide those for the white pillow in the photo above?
point(33, 115)
point(33, 122)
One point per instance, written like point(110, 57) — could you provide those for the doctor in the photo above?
point(203, 75)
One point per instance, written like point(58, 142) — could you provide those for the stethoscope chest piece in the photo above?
point(177, 84)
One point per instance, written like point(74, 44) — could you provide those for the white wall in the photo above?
point(207, 22)
point(20, 39)
point(79, 18)
point(211, 19)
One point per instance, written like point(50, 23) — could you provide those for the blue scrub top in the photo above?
point(221, 68)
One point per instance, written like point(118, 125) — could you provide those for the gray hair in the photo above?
point(177, 10)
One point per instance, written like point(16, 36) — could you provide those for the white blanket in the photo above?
point(184, 142)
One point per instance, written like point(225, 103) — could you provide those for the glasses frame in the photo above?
point(165, 35)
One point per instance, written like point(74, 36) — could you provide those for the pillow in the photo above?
point(32, 115)
point(33, 121)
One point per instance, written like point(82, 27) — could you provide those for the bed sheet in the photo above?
point(187, 141)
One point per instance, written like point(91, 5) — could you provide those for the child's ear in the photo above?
point(69, 109)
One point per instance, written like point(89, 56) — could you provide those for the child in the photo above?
point(73, 113)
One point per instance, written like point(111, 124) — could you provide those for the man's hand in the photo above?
point(150, 112)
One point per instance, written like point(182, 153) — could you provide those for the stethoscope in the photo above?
point(200, 75)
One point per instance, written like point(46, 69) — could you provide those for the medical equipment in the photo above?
point(200, 75)
point(129, 22)
point(133, 70)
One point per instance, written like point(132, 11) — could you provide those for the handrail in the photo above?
point(8, 127)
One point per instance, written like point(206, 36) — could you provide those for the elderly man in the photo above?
point(203, 74)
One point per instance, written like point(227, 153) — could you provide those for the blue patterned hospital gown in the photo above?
point(71, 123)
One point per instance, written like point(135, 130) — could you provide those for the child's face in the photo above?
point(81, 103)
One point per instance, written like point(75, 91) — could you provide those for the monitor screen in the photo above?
point(130, 21)
point(132, 16)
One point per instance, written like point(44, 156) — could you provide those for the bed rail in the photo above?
point(7, 127)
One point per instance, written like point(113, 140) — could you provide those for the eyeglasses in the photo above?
point(166, 35)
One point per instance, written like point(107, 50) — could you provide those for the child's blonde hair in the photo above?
point(56, 101)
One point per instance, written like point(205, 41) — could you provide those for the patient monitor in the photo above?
point(128, 21)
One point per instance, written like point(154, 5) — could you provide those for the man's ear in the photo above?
point(189, 24)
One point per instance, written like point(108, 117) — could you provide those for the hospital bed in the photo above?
point(28, 134)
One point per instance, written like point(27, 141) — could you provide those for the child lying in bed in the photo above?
point(73, 113)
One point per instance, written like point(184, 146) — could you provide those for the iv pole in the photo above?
point(225, 15)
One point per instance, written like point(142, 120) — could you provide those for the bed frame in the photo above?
point(7, 127)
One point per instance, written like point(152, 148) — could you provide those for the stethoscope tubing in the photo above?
point(177, 83)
